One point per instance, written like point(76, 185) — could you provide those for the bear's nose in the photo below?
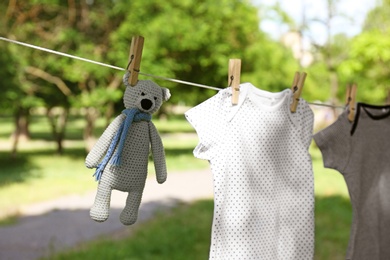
point(146, 104)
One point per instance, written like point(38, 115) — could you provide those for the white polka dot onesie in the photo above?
point(262, 173)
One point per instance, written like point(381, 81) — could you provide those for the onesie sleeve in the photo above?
point(334, 143)
point(203, 118)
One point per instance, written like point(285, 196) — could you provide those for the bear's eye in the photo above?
point(155, 98)
point(143, 94)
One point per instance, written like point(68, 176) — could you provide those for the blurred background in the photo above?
point(53, 108)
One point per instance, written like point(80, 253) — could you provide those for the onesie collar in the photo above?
point(232, 109)
point(245, 90)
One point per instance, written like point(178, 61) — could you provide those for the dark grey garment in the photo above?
point(360, 151)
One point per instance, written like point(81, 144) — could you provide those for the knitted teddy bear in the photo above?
point(121, 153)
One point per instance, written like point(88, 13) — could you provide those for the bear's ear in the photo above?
point(165, 94)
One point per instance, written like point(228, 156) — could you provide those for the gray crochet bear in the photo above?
point(121, 153)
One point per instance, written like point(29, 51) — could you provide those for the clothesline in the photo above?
point(123, 69)
point(104, 64)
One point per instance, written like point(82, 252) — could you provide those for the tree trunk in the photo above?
point(109, 113)
point(21, 129)
point(330, 64)
point(114, 84)
point(334, 87)
point(58, 126)
point(22, 124)
point(91, 116)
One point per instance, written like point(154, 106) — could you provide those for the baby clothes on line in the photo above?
point(360, 152)
point(262, 174)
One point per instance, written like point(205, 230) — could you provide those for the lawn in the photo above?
point(184, 232)
point(38, 174)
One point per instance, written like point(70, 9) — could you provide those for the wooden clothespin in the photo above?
point(234, 79)
point(137, 44)
point(351, 101)
point(297, 86)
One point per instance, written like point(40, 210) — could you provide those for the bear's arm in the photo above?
point(158, 153)
point(100, 148)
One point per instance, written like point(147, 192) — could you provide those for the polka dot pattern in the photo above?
point(263, 180)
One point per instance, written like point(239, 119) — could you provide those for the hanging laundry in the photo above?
point(360, 152)
point(122, 152)
point(262, 174)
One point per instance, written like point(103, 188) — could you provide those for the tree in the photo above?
point(194, 40)
point(329, 55)
point(16, 97)
point(369, 57)
point(184, 39)
point(326, 54)
point(69, 27)
point(378, 18)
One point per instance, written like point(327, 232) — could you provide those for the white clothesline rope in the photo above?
point(104, 64)
point(123, 69)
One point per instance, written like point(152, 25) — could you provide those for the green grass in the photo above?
point(327, 182)
point(333, 220)
point(38, 173)
point(41, 175)
point(178, 153)
point(184, 233)
point(333, 212)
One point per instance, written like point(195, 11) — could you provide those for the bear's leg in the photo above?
point(101, 207)
point(129, 214)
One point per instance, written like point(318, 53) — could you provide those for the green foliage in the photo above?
point(317, 84)
point(14, 95)
point(77, 30)
point(193, 41)
point(188, 40)
point(368, 63)
point(97, 98)
point(378, 18)
point(276, 13)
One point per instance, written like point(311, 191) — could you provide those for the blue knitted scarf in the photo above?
point(132, 115)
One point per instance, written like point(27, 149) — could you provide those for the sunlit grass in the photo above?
point(333, 216)
point(38, 173)
point(31, 178)
point(186, 229)
point(327, 182)
point(184, 233)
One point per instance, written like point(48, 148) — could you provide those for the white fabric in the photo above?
point(262, 172)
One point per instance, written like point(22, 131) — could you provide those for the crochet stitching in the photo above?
point(132, 115)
